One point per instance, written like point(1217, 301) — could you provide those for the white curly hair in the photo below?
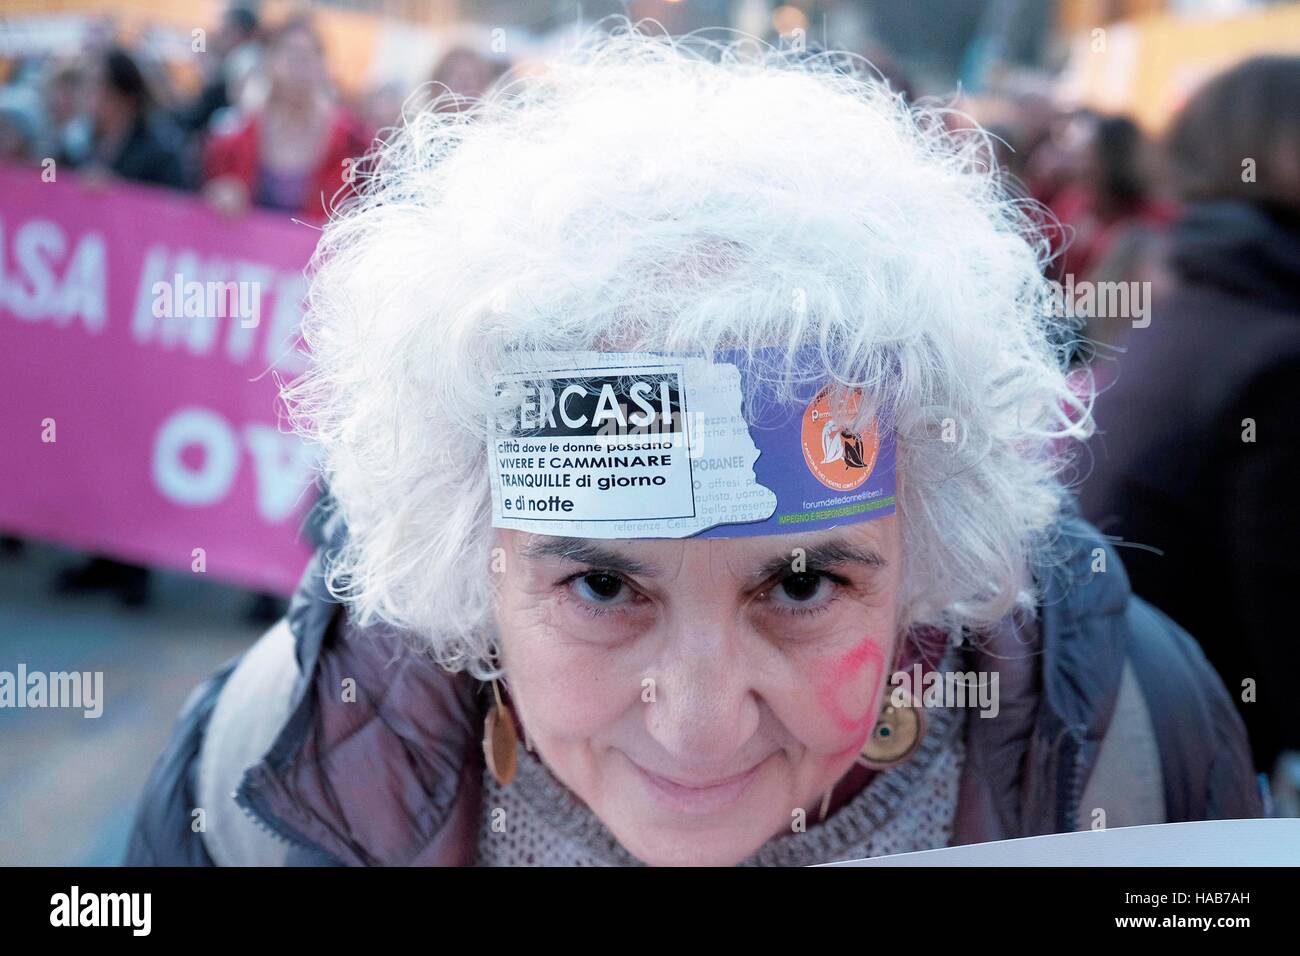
point(650, 193)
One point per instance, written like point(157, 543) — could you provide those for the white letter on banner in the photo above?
point(212, 480)
point(283, 466)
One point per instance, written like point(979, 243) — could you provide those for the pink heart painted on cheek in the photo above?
point(843, 672)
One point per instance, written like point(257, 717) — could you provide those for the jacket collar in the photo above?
point(1084, 592)
point(378, 762)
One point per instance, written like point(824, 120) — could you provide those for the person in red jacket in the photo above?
point(297, 151)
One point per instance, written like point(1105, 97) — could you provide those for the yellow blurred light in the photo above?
point(787, 19)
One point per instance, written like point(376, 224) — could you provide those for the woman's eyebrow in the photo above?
point(823, 555)
point(584, 551)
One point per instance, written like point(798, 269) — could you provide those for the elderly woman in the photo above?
point(696, 438)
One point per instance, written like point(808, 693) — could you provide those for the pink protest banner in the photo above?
point(141, 335)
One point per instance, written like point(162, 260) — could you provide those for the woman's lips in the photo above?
point(697, 797)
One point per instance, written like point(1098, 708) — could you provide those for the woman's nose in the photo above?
point(704, 709)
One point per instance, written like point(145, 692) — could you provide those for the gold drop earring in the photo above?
point(500, 740)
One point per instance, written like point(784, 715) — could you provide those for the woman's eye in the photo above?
point(803, 591)
point(600, 588)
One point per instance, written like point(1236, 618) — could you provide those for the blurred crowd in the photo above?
point(1198, 451)
point(267, 128)
point(1196, 459)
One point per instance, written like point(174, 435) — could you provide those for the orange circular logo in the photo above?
point(838, 458)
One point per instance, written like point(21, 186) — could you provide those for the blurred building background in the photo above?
point(215, 120)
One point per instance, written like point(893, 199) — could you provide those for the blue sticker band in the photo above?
point(791, 462)
point(656, 445)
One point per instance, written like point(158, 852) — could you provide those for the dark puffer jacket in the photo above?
point(1105, 704)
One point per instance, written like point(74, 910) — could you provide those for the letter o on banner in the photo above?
point(210, 482)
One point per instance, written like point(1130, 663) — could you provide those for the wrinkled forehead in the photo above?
point(870, 546)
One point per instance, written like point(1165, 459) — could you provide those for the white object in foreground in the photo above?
point(1270, 842)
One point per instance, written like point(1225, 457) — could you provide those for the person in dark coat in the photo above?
point(1196, 462)
point(689, 511)
point(284, 766)
point(131, 138)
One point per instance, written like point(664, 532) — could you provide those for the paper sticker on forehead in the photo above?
point(655, 445)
